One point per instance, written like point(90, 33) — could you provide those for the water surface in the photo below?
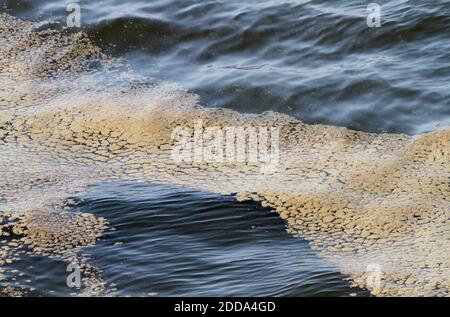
point(167, 241)
point(315, 60)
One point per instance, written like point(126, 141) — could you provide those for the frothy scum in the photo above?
point(70, 116)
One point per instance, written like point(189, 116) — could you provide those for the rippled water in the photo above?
point(176, 242)
point(315, 60)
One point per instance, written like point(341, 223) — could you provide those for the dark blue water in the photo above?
point(167, 241)
point(315, 60)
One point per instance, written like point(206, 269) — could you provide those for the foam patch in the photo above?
point(70, 116)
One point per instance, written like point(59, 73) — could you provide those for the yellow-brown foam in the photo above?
point(359, 198)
